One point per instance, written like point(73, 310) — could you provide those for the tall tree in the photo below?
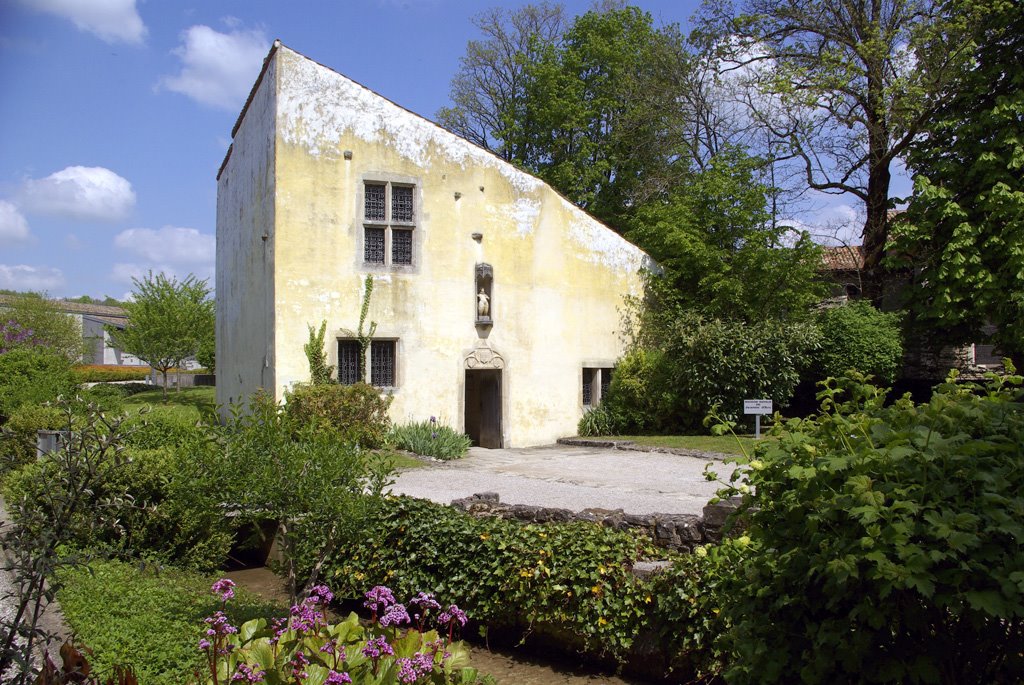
point(168, 321)
point(720, 255)
point(489, 91)
point(964, 234)
point(846, 85)
point(601, 112)
point(34, 320)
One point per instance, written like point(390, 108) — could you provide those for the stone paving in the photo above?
point(574, 478)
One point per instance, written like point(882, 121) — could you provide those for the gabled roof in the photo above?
point(842, 258)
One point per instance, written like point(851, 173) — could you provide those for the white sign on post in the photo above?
point(757, 407)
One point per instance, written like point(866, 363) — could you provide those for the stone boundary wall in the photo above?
point(680, 532)
point(630, 446)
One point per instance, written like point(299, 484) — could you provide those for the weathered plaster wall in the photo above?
point(559, 276)
point(245, 251)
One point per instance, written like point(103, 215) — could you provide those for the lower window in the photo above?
point(382, 365)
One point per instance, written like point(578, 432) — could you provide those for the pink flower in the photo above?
point(225, 587)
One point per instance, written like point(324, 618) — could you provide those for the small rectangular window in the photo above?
point(382, 363)
point(588, 387)
point(348, 362)
point(401, 247)
point(401, 204)
point(375, 204)
point(373, 249)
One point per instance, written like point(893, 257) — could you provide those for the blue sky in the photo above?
point(116, 114)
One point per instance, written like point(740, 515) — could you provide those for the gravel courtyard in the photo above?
point(573, 478)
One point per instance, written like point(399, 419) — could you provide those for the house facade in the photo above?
point(497, 303)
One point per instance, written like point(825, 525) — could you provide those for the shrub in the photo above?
point(357, 413)
point(572, 577)
point(161, 427)
point(32, 375)
point(859, 337)
point(430, 439)
point(18, 437)
point(703, 364)
point(100, 373)
point(110, 398)
point(886, 542)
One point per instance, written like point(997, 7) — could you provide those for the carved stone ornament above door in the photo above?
point(483, 357)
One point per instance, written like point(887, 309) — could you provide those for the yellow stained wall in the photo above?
point(560, 277)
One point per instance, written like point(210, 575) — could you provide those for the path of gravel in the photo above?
point(574, 478)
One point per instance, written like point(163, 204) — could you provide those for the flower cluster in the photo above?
point(14, 335)
point(303, 648)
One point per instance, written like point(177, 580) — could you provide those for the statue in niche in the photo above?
point(483, 304)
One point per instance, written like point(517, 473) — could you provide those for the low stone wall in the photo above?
point(681, 532)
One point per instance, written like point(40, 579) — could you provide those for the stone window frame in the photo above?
point(388, 225)
point(368, 367)
point(597, 375)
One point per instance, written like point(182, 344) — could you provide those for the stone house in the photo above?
point(497, 302)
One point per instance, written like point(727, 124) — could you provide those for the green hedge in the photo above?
point(357, 413)
point(99, 373)
point(571, 579)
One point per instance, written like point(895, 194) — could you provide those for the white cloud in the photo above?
point(218, 69)
point(839, 224)
point(13, 227)
point(170, 245)
point(171, 250)
point(113, 21)
point(36, 278)
point(78, 192)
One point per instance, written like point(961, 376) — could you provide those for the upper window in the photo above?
point(389, 221)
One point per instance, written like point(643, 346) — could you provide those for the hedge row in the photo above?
point(97, 373)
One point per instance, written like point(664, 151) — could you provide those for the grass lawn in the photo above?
point(727, 444)
point(150, 619)
point(190, 402)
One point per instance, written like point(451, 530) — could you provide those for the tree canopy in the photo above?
point(31, 319)
point(964, 234)
point(841, 88)
point(168, 321)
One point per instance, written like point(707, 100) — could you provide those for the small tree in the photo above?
point(167, 321)
point(32, 320)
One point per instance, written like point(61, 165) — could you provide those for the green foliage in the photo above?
point(32, 375)
point(150, 617)
point(356, 414)
point(47, 326)
point(704, 364)
point(640, 395)
point(719, 253)
point(596, 421)
point(168, 321)
point(430, 439)
point(858, 337)
point(571, 577)
point(964, 230)
point(195, 404)
point(18, 436)
point(319, 371)
point(107, 396)
point(885, 541)
point(267, 465)
point(339, 648)
point(96, 373)
point(159, 428)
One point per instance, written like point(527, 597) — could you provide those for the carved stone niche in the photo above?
point(483, 285)
point(483, 357)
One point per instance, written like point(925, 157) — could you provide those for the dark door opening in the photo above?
point(483, 407)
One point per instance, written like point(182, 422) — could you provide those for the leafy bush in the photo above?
point(861, 338)
point(430, 439)
point(18, 436)
point(164, 511)
point(101, 373)
point(161, 427)
point(107, 396)
point(32, 375)
point(886, 542)
point(149, 617)
point(573, 577)
point(269, 467)
point(395, 648)
point(357, 414)
point(703, 364)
